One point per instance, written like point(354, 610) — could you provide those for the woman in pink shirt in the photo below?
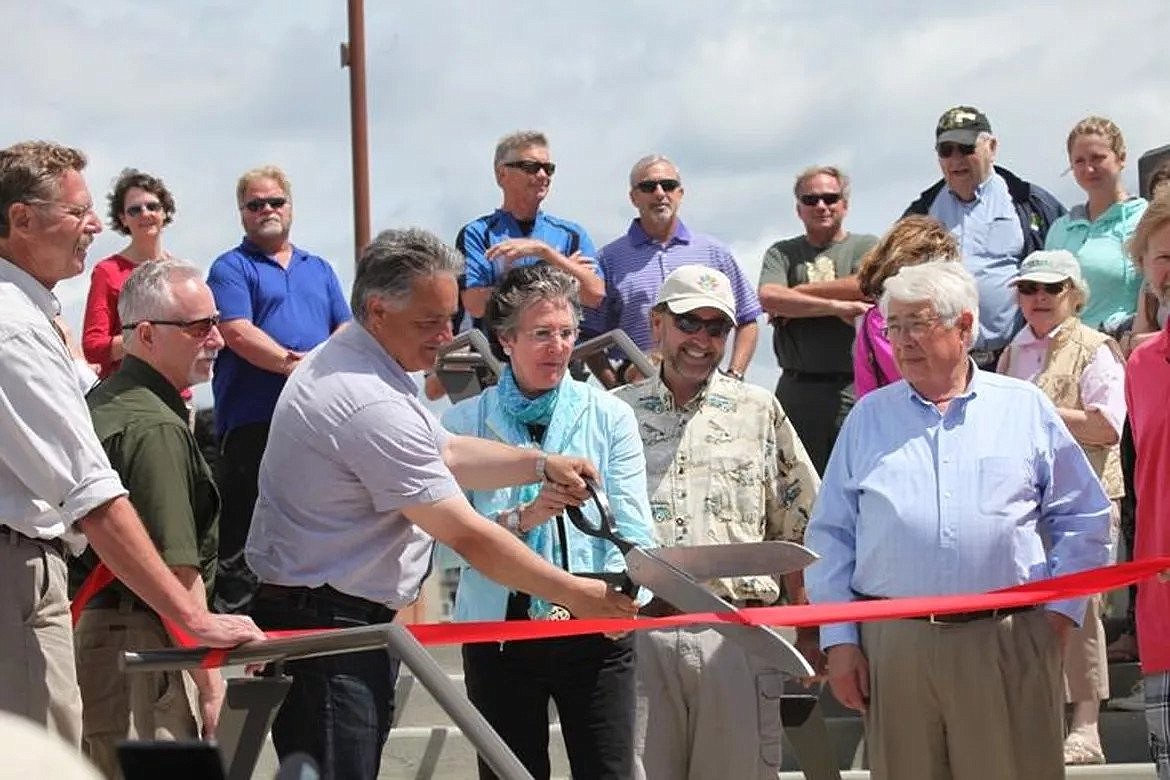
point(912, 240)
point(140, 207)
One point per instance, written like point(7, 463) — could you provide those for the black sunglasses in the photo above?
point(153, 206)
point(1031, 288)
point(948, 148)
point(813, 198)
point(532, 167)
point(200, 328)
point(690, 324)
point(650, 185)
point(256, 205)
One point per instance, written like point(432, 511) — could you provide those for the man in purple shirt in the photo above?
point(635, 265)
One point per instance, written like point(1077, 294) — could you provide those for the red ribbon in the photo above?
point(1068, 586)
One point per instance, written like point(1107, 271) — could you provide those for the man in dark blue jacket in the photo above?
point(997, 217)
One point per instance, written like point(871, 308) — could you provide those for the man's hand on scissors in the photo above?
point(595, 599)
point(570, 472)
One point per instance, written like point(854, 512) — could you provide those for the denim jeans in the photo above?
point(340, 707)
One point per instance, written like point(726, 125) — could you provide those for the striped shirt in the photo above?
point(635, 266)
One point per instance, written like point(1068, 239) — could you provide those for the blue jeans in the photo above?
point(340, 707)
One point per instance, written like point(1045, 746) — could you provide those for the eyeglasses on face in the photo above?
point(80, 213)
point(546, 336)
point(153, 206)
point(532, 167)
point(914, 329)
point(813, 198)
point(199, 329)
point(948, 148)
point(256, 205)
point(652, 185)
point(1031, 288)
point(691, 324)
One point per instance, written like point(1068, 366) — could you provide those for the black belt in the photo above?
point(957, 618)
point(340, 604)
point(57, 544)
point(818, 376)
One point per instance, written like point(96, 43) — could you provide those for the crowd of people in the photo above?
point(966, 403)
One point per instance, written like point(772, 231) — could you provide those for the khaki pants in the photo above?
point(1086, 665)
point(120, 706)
point(706, 709)
point(978, 701)
point(37, 676)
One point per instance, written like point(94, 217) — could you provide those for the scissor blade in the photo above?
point(748, 559)
point(677, 588)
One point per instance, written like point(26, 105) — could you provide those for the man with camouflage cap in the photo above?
point(997, 217)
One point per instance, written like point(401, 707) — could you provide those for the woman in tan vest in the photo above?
point(1083, 373)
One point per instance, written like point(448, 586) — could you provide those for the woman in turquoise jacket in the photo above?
point(535, 313)
point(1097, 230)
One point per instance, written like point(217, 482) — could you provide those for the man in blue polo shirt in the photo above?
point(635, 265)
point(519, 233)
point(276, 302)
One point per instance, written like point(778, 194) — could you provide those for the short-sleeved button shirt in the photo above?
point(298, 306)
point(350, 447)
point(141, 421)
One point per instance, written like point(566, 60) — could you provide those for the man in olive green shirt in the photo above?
point(171, 341)
point(808, 286)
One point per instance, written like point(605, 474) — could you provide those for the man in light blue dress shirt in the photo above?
point(954, 480)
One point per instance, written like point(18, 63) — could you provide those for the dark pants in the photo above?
point(340, 707)
point(237, 474)
point(1128, 506)
point(590, 678)
point(817, 405)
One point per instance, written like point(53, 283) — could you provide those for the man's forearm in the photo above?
point(744, 346)
point(117, 536)
point(846, 289)
point(781, 301)
point(257, 347)
point(206, 680)
point(480, 464)
point(592, 286)
point(475, 300)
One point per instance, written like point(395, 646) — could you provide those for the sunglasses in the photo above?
point(153, 206)
point(199, 329)
point(948, 148)
point(1031, 288)
point(690, 325)
point(256, 205)
point(828, 198)
point(651, 185)
point(532, 167)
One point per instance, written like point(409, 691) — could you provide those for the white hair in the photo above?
point(147, 294)
point(645, 162)
point(946, 285)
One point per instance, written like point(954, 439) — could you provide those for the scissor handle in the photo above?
point(608, 527)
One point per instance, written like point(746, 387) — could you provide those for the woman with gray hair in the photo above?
point(1083, 373)
point(535, 313)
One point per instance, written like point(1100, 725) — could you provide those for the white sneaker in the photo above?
point(1134, 702)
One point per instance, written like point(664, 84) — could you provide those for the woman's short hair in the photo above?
point(912, 240)
point(526, 285)
point(128, 179)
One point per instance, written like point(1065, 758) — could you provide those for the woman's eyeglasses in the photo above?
point(153, 206)
point(545, 336)
point(1031, 288)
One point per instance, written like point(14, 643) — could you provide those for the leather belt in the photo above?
point(958, 618)
point(338, 603)
point(15, 536)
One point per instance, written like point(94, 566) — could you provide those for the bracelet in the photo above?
point(541, 462)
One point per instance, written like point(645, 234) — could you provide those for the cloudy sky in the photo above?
point(741, 94)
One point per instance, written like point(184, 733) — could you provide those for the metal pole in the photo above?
point(353, 56)
point(494, 751)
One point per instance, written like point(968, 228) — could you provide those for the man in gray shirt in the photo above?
point(358, 480)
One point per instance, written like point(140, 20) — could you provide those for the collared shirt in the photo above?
point(479, 235)
point(53, 471)
point(298, 306)
point(989, 234)
point(1147, 377)
point(635, 266)
point(1102, 383)
point(727, 467)
point(141, 420)
point(350, 447)
point(992, 493)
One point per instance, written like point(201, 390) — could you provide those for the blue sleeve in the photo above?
point(604, 318)
point(339, 312)
point(472, 242)
point(1074, 510)
point(832, 534)
point(587, 249)
point(747, 302)
point(231, 288)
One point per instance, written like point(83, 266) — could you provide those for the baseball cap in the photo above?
point(961, 124)
point(691, 287)
point(1048, 267)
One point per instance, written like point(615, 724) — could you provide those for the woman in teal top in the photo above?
point(535, 313)
point(1097, 230)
